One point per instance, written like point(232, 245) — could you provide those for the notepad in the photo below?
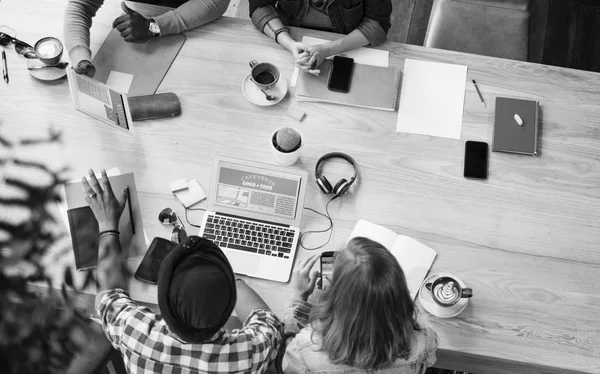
point(148, 62)
point(414, 257)
point(84, 228)
point(508, 135)
point(373, 87)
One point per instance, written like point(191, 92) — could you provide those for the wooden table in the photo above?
point(527, 240)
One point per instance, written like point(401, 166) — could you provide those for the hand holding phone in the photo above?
point(340, 74)
point(304, 277)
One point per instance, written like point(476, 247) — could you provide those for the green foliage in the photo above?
point(39, 333)
point(287, 140)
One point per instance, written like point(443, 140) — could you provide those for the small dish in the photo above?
point(434, 308)
point(257, 97)
point(47, 74)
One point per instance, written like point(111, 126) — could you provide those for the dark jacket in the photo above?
point(370, 17)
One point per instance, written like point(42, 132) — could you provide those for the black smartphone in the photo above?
point(476, 160)
point(327, 259)
point(150, 265)
point(340, 74)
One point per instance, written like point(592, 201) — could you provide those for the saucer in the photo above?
point(436, 309)
point(46, 74)
point(255, 96)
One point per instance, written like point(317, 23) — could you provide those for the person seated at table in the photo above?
point(364, 321)
point(133, 27)
point(197, 291)
point(363, 21)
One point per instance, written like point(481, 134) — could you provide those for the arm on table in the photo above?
point(372, 30)
point(192, 14)
point(77, 23)
point(247, 300)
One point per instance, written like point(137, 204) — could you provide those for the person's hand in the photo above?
point(298, 50)
point(101, 198)
point(85, 67)
point(314, 57)
point(133, 26)
point(303, 280)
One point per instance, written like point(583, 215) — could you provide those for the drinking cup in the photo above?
point(48, 50)
point(264, 75)
point(446, 291)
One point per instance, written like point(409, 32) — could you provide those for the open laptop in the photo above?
point(253, 214)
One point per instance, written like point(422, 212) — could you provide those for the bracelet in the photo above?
point(279, 31)
point(109, 232)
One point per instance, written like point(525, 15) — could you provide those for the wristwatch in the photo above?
point(154, 28)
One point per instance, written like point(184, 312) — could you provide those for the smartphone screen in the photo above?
point(148, 269)
point(340, 74)
point(327, 259)
point(476, 160)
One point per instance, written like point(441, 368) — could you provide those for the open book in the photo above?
point(414, 257)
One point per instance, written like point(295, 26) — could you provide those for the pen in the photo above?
point(4, 66)
point(479, 93)
point(130, 212)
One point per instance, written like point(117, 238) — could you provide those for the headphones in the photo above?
point(342, 186)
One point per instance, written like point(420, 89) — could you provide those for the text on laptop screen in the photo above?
point(257, 190)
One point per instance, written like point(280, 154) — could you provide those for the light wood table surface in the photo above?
point(527, 239)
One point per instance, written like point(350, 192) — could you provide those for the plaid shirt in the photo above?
point(147, 345)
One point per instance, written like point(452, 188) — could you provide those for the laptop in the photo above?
point(253, 214)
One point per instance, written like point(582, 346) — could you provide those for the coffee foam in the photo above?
point(447, 292)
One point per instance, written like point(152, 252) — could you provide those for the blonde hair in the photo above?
point(366, 318)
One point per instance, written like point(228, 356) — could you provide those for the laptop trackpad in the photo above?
point(243, 263)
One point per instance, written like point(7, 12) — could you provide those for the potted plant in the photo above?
point(40, 329)
point(286, 144)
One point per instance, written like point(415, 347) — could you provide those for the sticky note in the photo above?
point(119, 82)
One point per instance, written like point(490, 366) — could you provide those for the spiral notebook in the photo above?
point(372, 87)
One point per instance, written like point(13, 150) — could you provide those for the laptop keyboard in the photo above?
point(249, 236)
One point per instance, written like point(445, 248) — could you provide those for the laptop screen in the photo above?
point(257, 190)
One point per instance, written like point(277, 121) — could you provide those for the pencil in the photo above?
point(479, 93)
point(130, 212)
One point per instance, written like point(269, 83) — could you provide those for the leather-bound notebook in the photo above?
point(372, 87)
point(148, 62)
point(84, 237)
point(511, 137)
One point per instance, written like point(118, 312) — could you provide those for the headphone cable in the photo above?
point(330, 228)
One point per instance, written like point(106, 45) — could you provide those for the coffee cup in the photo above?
point(264, 75)
point(447, 291)
point(48, 50)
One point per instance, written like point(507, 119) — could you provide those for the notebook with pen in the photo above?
point(511, 137)
point(84, 228)
point(372, 87)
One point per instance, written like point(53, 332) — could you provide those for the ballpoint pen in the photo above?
point(479, 93)
point(130, 212)
point(4, 66)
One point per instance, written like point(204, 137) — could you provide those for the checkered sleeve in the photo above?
point(296, 315)
point(114, 307)
point(266, 332)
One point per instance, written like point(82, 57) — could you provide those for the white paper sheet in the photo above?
point(119, 82)
point(366, 56)
point(432, 99)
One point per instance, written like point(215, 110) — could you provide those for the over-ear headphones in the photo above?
point(343, 185)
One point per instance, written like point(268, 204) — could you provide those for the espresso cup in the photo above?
point(48, 50)
point(446, 291)
point(264, 75)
